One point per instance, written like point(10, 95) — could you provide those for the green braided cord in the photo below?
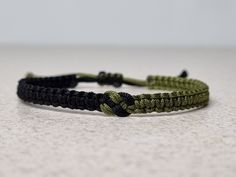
point(186, 94)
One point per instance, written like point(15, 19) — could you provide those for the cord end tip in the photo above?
point(29, 75)
point(184, 74)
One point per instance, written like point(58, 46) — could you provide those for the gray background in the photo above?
point(168, 23)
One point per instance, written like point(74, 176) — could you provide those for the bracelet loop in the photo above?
point(185, 93)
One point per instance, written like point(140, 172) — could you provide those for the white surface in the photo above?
point(121, 22)
point(36, 141)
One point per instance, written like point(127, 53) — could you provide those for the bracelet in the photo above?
point(183, 93)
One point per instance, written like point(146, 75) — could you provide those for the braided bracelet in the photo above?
point(183, 93)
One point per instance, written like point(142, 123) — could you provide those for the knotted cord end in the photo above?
point(104, 78)
point(184, 74)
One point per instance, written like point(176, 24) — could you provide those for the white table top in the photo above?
point(40, 141)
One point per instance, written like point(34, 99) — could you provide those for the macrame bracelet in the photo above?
point(184, 93)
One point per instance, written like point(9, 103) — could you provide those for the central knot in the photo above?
point(117, 103)
point(110, 79)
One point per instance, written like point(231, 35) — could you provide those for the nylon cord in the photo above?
point(185, 93)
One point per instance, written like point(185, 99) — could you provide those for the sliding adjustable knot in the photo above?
point(104, 78)
point(117, 103)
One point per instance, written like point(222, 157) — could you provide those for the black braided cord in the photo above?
point(53, 91)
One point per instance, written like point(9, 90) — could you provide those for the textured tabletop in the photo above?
point(45, 141)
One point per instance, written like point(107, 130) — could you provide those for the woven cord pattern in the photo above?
point(185, 93)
